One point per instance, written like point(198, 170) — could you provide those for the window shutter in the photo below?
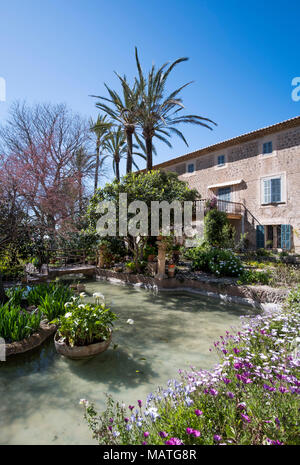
point(260, 236)
point(286, 236)
point(267, 191)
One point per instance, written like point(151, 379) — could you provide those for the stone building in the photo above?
point(255, 178)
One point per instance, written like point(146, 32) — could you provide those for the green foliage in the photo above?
point(52, 304)
point(216, 227)
point(17, 324)
point(255, 277)
point(11, 272)
point(221, 262)
point(85, 324)
point(15, 295)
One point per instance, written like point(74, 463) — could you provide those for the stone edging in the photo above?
point(31, 342)
point(255, 296)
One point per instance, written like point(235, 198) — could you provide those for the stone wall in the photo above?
point(247, 163)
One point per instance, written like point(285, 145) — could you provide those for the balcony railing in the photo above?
point(234, 208)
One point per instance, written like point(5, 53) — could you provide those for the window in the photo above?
point(267, 147)
point(224, 193)
point(272, 190)
point(190, 168)
point(221, 160)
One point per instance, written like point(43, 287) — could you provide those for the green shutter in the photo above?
point(286, 236)
point(260, 236)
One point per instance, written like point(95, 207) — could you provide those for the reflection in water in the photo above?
point(40, 390)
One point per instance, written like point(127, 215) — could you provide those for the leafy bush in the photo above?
point(251, 398)
point(218, 261)
point(217, 229)
point(12, 272)
point(255, 277)
point(85, 324)
point(17, 324)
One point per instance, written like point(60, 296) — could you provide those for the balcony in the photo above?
point(233, 210)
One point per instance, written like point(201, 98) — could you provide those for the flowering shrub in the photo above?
point(221, 262)
point(255, 277)
point(85, 324)
point(251, 397)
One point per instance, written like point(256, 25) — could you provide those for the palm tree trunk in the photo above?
point(129, 151)
point(117, 165)
point(148, 141)
point(97, 165)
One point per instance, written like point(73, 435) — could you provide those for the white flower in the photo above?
point(81, 306)
point(67, 304)
point(82, 295)
point(130, 321)
point(84, 402)
point(68, 314)
point(98, 295)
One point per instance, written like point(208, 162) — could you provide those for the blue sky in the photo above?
point(243, 56)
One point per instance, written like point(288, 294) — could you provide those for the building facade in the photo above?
point(255, 178)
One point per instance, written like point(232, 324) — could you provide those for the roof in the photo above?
point(287, 124)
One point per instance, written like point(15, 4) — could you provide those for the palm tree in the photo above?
point(100, 128)
point(123, 111)
point(158, 114)
point(116, 147)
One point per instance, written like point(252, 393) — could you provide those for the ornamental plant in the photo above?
point(220, 262)
point(85, 323)
point(16, 323)
point(251, 397)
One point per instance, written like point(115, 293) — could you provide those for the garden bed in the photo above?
point(225, 288)
point(31, 342)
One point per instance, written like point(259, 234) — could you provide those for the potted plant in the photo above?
point(171, 270)
point(85, 330)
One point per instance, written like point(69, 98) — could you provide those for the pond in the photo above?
point(40, 390)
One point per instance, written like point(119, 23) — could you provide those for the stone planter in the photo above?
point(80, 352)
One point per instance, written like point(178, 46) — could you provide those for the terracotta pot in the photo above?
point(171, 271)
point(80, 352)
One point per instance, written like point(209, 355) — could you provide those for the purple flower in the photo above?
point(282, 389)
point(126, 420)
point(174, 442)
point(131, 407)
point(246, 418)
point(277, 421)
point(144, 443)
point(241, 406)
point(230, 395)
point(217, 438)
point(227, 380)
point(146, 434)
point(111, 420)
point(236, 351)
point(213, 392)
point(196, 433)
point(198, 412)
point(189, 430)
point(140, 403)
point(163, 434)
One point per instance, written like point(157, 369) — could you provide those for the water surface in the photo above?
point(40, 390)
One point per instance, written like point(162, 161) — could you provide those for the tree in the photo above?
point(83, 164)
point(115, 146)
point(147, 187)
point(39, 144)
point(123, 111)
point(100, 128)
point(158, 114)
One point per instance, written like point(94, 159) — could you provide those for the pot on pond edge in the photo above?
point(80, 352)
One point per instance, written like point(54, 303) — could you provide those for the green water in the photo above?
point(40, 390)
